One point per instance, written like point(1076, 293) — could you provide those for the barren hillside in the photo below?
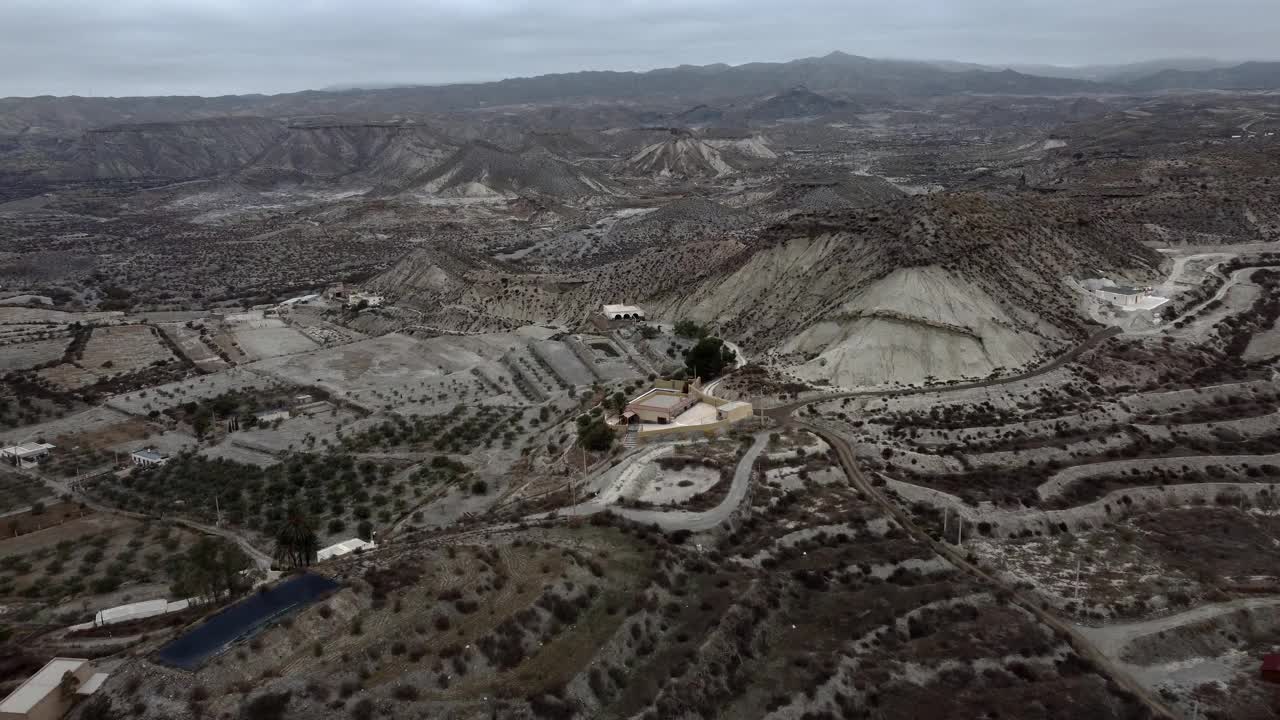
point(373, 153)
point(195, 149)
point(948, 286)
point(483, 170)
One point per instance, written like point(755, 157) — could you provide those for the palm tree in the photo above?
point(296, 542)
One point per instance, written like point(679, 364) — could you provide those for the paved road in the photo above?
point(675, 520)
point(784, 412)
point(741, 361)
point(1082, 644)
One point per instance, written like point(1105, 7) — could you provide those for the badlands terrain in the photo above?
point(1009, 343)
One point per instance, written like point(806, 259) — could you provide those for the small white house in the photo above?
point(269, 416)
point(345, 548)
point(623, 312)
point(369, 299)
point(27, 454)
point(148, 457)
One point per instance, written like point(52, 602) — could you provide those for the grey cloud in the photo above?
point(213, 47)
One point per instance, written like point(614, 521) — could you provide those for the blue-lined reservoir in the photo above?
point(194, 648)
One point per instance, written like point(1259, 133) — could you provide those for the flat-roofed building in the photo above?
point(45, 696)
point(345, 548)
point(1123, 294)
point(26, 454)
point(269, 416)
point(658, 405)
point(734, 411)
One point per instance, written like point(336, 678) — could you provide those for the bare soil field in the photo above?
point(26, 355)
point(204, 387)
point(192, 344)
point(111, 351)
point(271, 338)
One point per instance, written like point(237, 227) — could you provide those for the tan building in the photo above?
point(733, 411)
point(45, 695)
point(658, 405)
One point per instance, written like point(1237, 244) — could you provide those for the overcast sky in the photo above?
point(215, 47)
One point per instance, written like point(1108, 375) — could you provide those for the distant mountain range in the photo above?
point(845, 77)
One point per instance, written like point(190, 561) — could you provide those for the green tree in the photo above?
point(690, 329)
point(213, 566)
point(296, 540)
point(200, 423)
point(708, 358)
point(595, 436)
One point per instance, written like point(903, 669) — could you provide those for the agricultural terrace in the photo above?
point(342, 495)
point(461, 430)
point(93, 557)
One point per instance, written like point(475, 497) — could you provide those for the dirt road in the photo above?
point(1078, 641)
point(783, 412)
point(676, 520)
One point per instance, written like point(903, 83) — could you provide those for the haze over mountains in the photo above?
point(838, 73)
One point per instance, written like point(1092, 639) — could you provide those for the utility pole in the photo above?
point(1078, 564)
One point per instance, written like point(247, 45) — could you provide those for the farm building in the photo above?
point(148, 457)
point(623, 312)
point(734, 411)
point(46, 695)
point(27, 454)
point(1123, 294)
point(368, 299)
point(344, 548)
point(658, 405)
point(267, 417)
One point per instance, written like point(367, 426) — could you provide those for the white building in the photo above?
point(1124, 295)
point(369, 299)
point(345, 548)
point(27, 454)
point(41, 697)
point(148, 457)
point(269, 416)
point(623, 312)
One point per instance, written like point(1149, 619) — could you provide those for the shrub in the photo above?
point(405, 693)
point(363, 709)
point(269, 706)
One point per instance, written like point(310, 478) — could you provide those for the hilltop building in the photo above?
point(659, 405)
point(355, 299)
point(1124, 294)
point(612, 317)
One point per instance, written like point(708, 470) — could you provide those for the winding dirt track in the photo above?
point(1078, 641)
point(783, 412)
